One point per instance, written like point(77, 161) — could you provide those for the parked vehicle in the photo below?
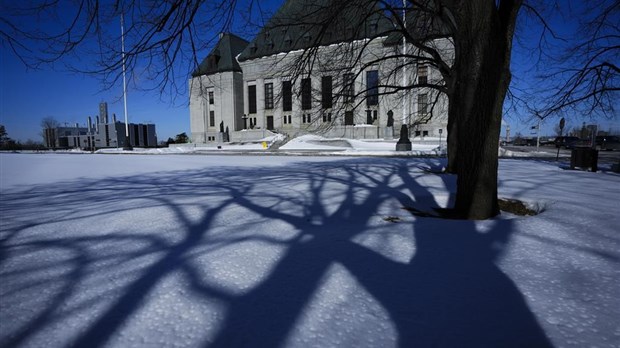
point(607, 142)
point(547, 141)
point(567, 142)
point(524, 142)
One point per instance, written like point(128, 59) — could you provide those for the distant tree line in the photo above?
point(8, 144)
point(180, 138)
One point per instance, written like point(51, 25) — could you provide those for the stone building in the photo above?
point(246, 90)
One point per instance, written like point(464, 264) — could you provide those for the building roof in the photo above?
point(301, 24)
point(222, 57)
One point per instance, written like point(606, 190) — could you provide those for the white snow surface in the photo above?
point(265, 251)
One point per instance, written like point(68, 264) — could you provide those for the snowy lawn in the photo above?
point(234, 251)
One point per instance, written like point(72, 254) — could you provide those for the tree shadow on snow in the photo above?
point(449, 293)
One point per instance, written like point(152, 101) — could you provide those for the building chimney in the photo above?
point(114, 118)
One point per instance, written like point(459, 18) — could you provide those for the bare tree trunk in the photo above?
point(453, 137)
point(483, 49)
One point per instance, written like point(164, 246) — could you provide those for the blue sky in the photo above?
point(27, 96)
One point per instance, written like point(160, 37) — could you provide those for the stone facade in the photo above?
point(274, 92)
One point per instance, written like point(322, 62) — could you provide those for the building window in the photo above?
point(348, 118)
point(327, 117)
point(287, 96)
point(211, 98)
point(369, 116)
point(422, 75)
point(252, 99)
point(211, 118)
point(306, 94)
point(268, 96)
point(326, 92)
point(289, 119)
point(284, 119)
point(348, 89)
point(372, 87)
point(422, 104)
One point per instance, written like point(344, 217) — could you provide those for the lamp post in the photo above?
point(440, 131)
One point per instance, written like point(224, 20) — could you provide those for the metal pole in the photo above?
point(562, 122)
point(127, 144)
point(204, 117)
point(405, 94)
point(538, 135)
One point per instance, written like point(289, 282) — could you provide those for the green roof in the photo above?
point(223, 56)
point(301, 24)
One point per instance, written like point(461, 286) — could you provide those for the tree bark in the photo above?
point(482, 64)
point(452, 137)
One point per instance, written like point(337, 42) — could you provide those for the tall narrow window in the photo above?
point(211, 98)
point(287, 96)
point(306, 94)
point(422, 104)
point(327, 117)
point(211, 118)
point(348, 118)
point(372, 87)
point(422, 75)
point(252, 99)
point(348, 90)
point(268, 96)
point(368, 116)
point(326, 92)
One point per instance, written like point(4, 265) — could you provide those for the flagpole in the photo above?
point(127, 143)
point(405, 94)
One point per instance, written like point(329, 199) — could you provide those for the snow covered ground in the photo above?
point(266, 251)
point(312, 145)
point(303, 145)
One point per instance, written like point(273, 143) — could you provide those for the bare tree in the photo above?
point(49, 129)
point(475, 80)
point(475, 77)
point(163, 39)
point(583, 77)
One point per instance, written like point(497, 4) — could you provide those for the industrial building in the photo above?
point(105, 132)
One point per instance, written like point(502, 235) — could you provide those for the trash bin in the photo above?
point(584, 158)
